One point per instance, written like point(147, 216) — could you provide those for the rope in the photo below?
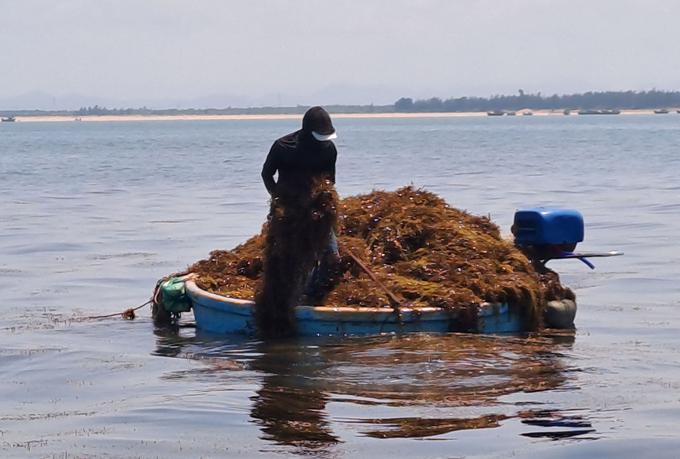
point(128, 314)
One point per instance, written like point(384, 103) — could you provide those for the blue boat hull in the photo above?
point(223, 315)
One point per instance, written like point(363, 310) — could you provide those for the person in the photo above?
point(301, 158)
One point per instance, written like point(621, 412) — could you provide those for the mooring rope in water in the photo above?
point(128, 314)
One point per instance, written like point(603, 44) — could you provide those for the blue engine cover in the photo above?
point(548, 225)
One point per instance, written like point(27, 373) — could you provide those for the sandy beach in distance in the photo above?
point(295, 116)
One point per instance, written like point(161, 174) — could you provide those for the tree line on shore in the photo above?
point(144, 111)
point(609, 100)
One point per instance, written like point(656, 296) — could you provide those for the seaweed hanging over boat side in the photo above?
point(298, 232)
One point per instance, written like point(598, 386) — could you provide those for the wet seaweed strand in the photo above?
point(296, 235)
point(419, 247)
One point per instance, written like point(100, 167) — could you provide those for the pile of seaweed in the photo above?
point(423, 250)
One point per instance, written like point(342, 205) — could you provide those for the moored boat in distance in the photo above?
point(511, 113)
point(9, 119)
point(661, 111)
point(528, 114)
point(496, 113)
point(599, 112)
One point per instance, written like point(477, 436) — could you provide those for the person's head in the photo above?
point(317, 121)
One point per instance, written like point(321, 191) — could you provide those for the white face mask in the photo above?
point(323, 138)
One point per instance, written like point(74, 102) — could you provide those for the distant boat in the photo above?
point(9, 119)
point(567, 112)
point(528, 114)
point(511, 113)
point(599, 112)
point(496, 113)
point(661, 111)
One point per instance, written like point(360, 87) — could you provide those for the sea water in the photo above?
point(93, 213)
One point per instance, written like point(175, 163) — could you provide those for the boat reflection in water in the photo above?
point(429, 384)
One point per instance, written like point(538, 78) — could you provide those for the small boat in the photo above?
point(496, 113)
point(224, 315)
point(599, 112)
point(9, 119)
point(511, 113)
point(528, 114)
point(661, 111)
point(219, 314)
point(548, 233)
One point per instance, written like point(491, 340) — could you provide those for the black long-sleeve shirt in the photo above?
point(299, 159)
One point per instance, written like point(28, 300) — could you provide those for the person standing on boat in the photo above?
point(301, 249)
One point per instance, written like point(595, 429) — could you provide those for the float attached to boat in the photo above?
point(543, 234)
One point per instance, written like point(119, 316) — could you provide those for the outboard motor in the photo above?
point(549, 233)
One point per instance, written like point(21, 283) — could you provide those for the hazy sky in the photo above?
point(373, 50)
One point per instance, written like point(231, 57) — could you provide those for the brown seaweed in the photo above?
point(419, 247)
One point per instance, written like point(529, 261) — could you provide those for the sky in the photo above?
point(289, 52)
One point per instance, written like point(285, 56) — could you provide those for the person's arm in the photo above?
point(331, 166)
point(268, 170)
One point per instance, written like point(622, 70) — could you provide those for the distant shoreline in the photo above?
point(629, 102)
point(122, 118)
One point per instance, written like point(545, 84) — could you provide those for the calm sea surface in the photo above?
point(92, 214)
